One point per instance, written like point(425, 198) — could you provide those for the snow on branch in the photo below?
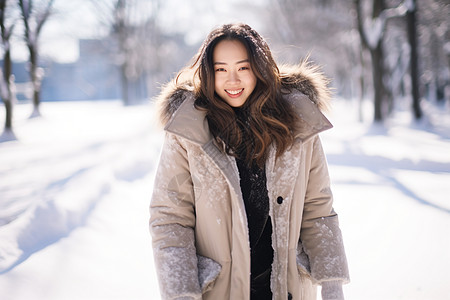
point(374, 31)
point(398, 11)
point(374, 28)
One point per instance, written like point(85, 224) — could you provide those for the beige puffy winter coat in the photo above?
point(197, 215)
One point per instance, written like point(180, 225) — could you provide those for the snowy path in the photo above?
point(75, 189)
point(391, 190)
point(84, 171)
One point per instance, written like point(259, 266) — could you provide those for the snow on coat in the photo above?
point(197, 215)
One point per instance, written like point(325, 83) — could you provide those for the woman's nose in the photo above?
point(233, 77)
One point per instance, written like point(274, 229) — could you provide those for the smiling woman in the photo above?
point(242, 205)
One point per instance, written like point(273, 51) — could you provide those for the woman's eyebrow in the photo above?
point(238, 62)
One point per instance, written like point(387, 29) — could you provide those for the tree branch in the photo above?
point(44, 16)
point(25, 10)
point(372, 30)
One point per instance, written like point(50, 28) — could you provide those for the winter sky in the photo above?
point(76, 20)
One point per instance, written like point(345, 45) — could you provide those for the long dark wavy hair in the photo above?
point(265, 118)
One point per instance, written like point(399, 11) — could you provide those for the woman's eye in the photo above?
point(220, 70)
point(244, 68)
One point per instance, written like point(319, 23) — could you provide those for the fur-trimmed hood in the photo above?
point(297, 82)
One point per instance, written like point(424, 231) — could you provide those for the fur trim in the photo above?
point(304, 77)
point(170, 99)
point(309, 80)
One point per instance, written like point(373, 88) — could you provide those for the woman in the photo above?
point(241, 207)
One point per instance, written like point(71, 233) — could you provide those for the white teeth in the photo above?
point(234, 92)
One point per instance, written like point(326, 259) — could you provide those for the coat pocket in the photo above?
point(208, 271)
point(303, 264)
point(308, 288)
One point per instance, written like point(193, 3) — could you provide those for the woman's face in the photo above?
point(234, 77)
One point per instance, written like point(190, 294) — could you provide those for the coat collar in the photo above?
point(191, 123)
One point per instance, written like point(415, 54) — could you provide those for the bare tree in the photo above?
point(372, 30)
point(295, 22)
point(133, 27)
point(33, 20)
point(319, 30)
point(6, 77)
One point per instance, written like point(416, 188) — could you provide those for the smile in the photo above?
point(234, 92)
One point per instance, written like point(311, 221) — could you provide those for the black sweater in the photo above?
point(256, 200)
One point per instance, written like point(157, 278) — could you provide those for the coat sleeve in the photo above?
point(321, 236)
point(172, 221)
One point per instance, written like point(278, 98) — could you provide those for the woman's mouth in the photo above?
point(234, 93)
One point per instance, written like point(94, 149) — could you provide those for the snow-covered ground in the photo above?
point(75, 190)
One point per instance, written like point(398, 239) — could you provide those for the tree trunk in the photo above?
point(9, 111)
point(412, 38)
point(7, 67)
point(121, 32)
point(378, 86)
point(377, 56)
point(361, 85)
point(124, 83)
point(36, 101)
point(36, 81)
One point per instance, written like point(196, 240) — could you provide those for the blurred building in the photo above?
point(95, 75)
